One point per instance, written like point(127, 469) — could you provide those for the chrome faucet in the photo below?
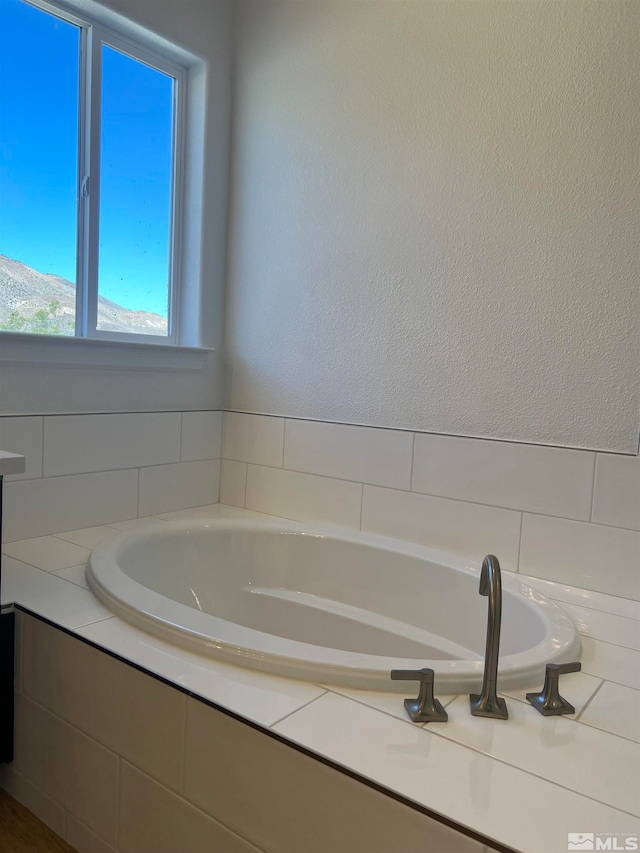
point(487, 703)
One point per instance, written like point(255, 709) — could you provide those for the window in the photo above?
point(90, 166)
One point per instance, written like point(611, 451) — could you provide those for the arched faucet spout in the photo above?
point(487, 703)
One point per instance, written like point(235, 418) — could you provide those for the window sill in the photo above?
point(63, 352)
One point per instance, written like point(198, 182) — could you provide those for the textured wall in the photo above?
point(432, 220)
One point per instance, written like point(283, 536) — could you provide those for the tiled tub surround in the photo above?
point(570, 516)
point(87, 470)
point(88, 772)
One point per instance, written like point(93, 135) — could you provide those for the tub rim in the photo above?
point(230, 642)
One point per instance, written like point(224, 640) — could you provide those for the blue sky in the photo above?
point(39, 58)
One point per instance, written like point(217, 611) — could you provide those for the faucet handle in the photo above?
point(425, 708)
point(549, 702)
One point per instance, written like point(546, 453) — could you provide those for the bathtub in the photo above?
point(328, 606)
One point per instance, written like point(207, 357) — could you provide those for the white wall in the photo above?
point(432, 217)
point(202, 31)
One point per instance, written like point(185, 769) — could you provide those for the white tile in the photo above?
point(303, 497)
point(516, 476)
point(68, 766)
point(138, 717)
point(459, 783)
point(82, 839)
point(42, 806)
point(75, 444)
point(164, 488)
point(576, 687)
point(136, 523)
point(381, 457)
point(615, 709)
point(23, 436)
point(388, 703)
point(253, 438)
point(468, 530)
point(614, 663)
point(333, 812)
point(259, 697)
point(239, 512)
point(47, 595)
point(605, 559)
point(74, 574)
point(47, 552)
point(605, 626)
point(201, 436)
point(37, 507)
point(88, 537)
point(616, 498)
point(207, 511)
point(233, 482)
point(154, 820)
point(11, 463)
point(585, 597)
point(593, 763)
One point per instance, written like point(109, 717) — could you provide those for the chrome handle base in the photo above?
point(549, 702)
point(425, 708)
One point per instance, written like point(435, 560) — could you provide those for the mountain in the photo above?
point(27, 291)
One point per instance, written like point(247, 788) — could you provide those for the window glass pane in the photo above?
point(135, 196)
point(39, 62)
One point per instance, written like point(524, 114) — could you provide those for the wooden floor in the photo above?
point(22, 832)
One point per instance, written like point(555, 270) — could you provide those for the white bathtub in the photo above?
point(326, 606)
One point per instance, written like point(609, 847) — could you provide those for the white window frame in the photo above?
point(93, 36)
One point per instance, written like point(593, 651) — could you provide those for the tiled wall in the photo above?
point(86, 470)
point(114, 760)
point(571, 516)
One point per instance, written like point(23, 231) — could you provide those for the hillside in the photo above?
point(27, 291)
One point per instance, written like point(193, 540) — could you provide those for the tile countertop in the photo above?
point(525, 783)
point(11, 463)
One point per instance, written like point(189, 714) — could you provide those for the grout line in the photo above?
point(132, 468)
point(42, 461)
point(246, 479)
point(413, 461)
point(589, 700)
point(93, 621)
point(117, 814)
point(588, 606)
point(193, 805)
point(449, 739)
point(520, 542)
point(183, 751)
point(593, 488)
point(361, 505)
point(400, 695)
point(295, 711)
point(432, 495)
point(138, 493)
point(609, 732)
point(284, 438)
point(604, 612)
point(337, 479)
point(376, 709)
point(632, 454)
point(608, 642)
point(180, 445)
point(545, 779)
